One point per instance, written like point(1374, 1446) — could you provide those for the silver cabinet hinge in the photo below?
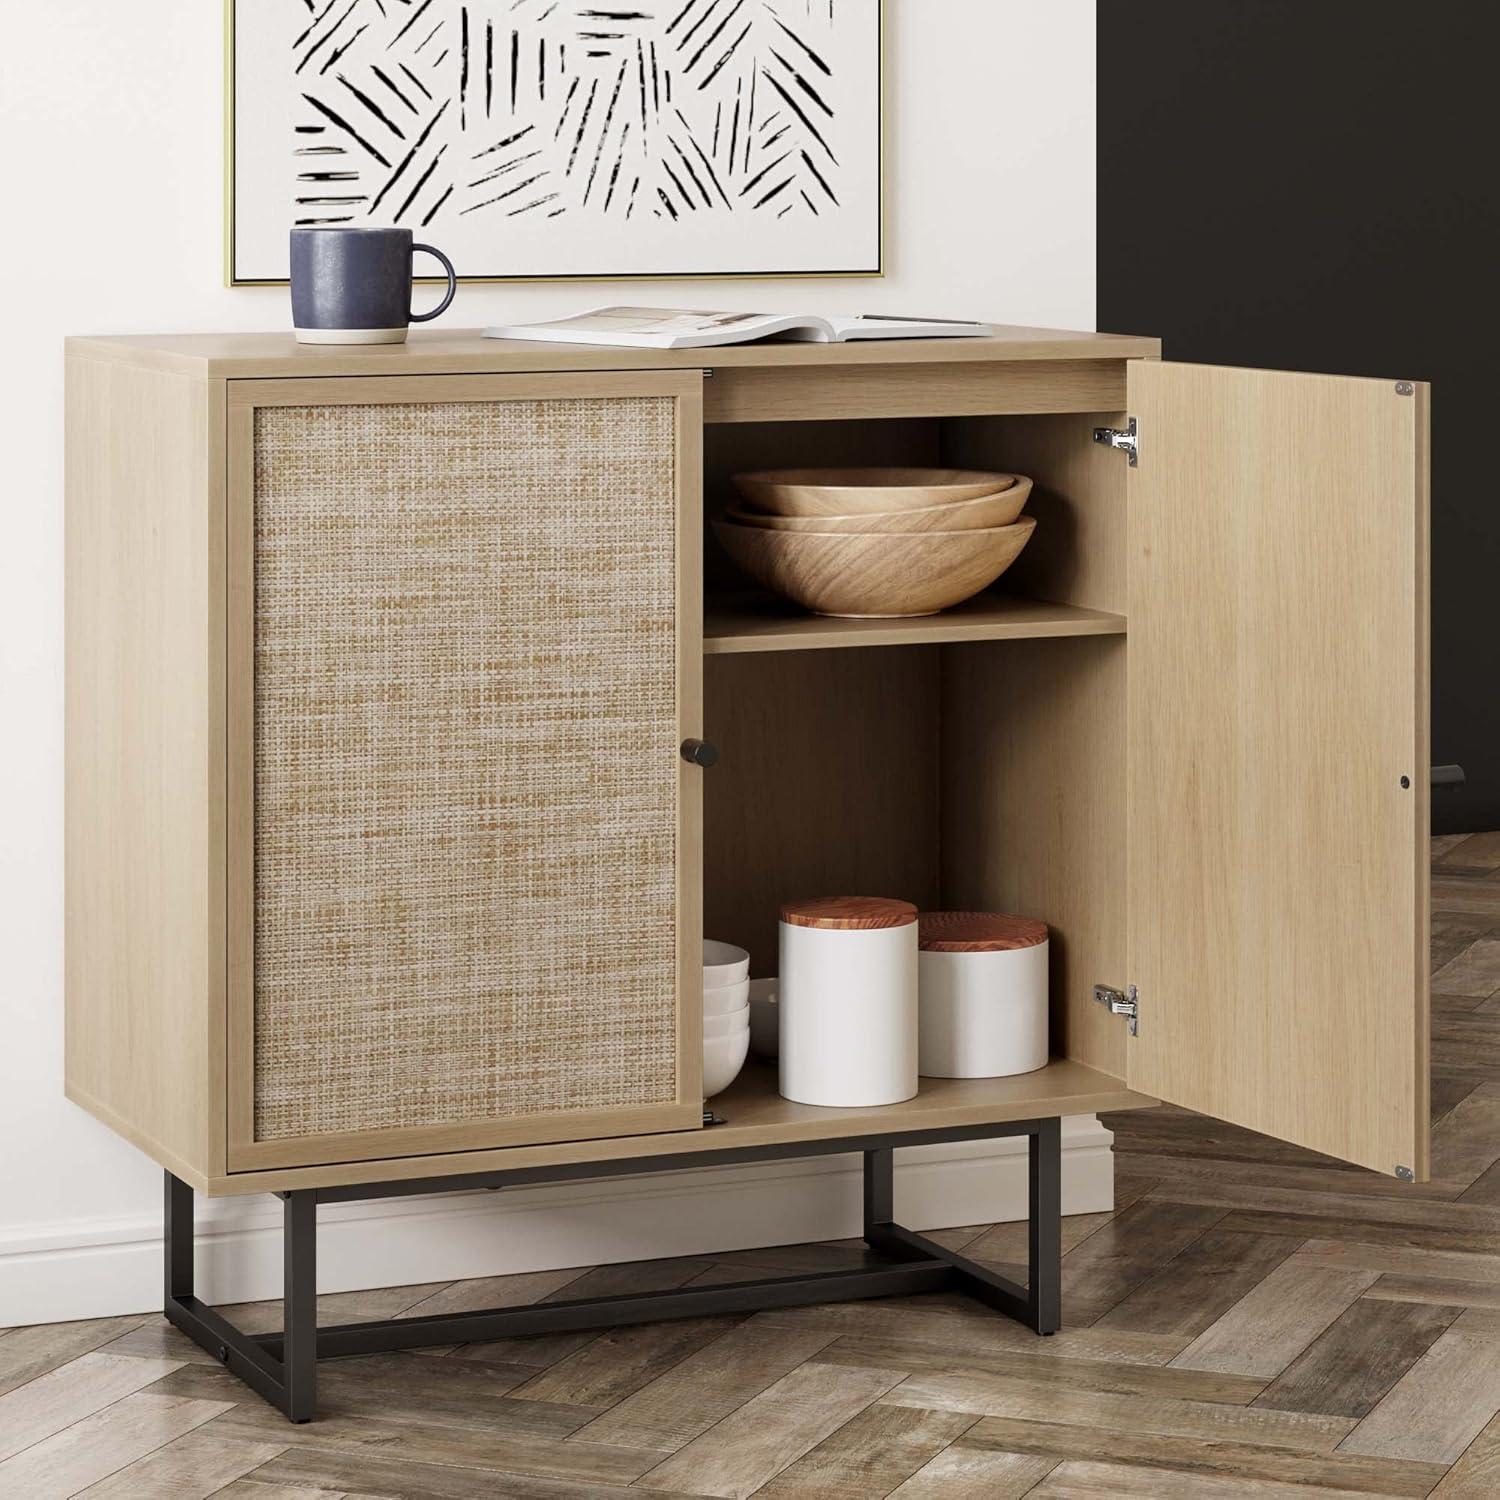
point(1128, 442)
point(1126, 1002)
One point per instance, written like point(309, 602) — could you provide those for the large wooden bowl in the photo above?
point(875, 576)
point(999, 509)
point(862, 492)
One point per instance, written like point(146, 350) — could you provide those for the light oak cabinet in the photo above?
point(382, 860)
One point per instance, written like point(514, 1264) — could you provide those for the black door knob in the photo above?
point(699, 753)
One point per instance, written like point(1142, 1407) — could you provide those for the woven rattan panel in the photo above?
point(466, 761)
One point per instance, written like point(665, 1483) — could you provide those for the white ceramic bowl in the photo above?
point(723, 964)
point(765, 1018)
point(723, 1057)
point(728, 1024)
point(725, 998)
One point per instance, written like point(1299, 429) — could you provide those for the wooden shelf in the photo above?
point(763, 623)
point(756, 1115)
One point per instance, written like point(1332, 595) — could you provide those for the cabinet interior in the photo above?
point(950, 771)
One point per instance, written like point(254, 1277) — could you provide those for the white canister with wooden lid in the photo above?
point(848, 1001)
point(983, 994)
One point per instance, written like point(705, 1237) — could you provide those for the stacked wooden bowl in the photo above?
point(877, 543)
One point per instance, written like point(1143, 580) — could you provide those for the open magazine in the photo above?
point(673, 328)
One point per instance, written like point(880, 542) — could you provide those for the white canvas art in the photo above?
point(563, 137)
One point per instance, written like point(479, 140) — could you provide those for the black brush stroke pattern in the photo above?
point(668, 108)
point(416, 15)
point(801, 114)
point(489, 68)
point(417, 81)
point(313, 25)
point(338, 52)
point(804, 85)
point(802, 43)
point(381, 74)
point(506, 168)
point(463, 66)
point(500, 145)
point(432, 212)
point(347, 128)
point(327, 37)
point(421, 182)
point(372, 106)
point(715, 34)
point(410, 156)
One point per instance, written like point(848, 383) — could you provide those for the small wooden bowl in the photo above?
point(1000, 509)
point(862, 492)
point(875, 576)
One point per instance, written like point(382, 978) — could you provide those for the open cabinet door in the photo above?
point(1278, 755)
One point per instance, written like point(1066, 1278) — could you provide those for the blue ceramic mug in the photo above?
point(353, 286)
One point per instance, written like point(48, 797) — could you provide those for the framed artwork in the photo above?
point(561, 138)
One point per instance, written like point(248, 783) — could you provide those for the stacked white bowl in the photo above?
point(726, 1014)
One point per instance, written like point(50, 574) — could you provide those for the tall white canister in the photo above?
point(848, 1001)
point(983, 980)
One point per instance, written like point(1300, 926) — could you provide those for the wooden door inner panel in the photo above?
point(1278, 765)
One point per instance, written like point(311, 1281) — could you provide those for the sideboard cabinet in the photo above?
point(384, 862)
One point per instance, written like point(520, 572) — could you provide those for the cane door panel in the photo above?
point(1278, 756)
point(464, 649)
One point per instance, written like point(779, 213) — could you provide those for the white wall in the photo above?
point(111, 150)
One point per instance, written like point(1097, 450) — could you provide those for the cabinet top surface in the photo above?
point(468, 352)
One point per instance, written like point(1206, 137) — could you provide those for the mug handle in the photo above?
point(442, 306)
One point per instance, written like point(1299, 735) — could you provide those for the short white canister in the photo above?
point(848, 1001)
point(983, 994)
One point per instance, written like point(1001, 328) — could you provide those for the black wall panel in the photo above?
point(1313, 184)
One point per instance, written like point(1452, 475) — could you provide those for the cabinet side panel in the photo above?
point(1077, 555)
point(1034, 813)
point(144, 759)
point(1422, 802)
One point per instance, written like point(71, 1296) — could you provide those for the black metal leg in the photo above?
point(177, 1259)
point(299, 1301)
point(1045, 1237)
point(289, 1386)
point(880, 1188)
point(1037, 1304)
point(282, 1367)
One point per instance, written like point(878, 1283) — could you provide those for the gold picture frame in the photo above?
point(233, 279)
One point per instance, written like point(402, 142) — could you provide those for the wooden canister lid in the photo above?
point(848, 913)
point(977, 932)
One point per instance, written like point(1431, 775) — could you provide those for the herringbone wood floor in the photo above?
point(1251, 1320)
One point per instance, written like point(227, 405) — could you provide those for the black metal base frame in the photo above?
point(282, 1367)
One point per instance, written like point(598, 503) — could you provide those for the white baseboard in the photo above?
point(92, 1268)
